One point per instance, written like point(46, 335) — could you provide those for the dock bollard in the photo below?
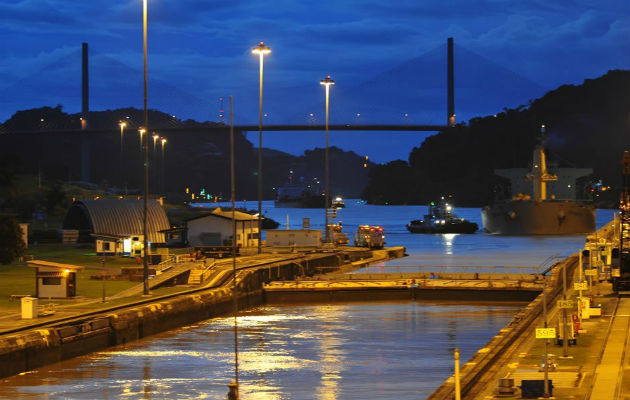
point(232, 391)
point(506, 387)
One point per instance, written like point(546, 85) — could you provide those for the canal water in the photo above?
point(379, 350)
point(450, 250)
point(367, 350)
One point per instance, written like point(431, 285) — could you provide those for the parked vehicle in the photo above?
point(372, 237)
point(338, 236)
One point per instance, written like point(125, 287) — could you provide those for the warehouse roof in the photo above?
point(117, 217)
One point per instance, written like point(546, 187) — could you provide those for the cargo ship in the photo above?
point(300, 195)
point(537, 214)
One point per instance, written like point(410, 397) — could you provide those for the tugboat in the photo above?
point(538, 215)
point(441, 219)
point(338, 203)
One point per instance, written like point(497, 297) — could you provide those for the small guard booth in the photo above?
point(55, 280)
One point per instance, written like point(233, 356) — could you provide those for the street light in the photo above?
point(155, 137)
point(261, 50)
point(163, 183)
point(141, 131)
point(327, 82)
point(145, 145)
point(122, 130)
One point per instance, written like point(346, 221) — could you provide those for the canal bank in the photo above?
point(478, 372)
point(42, 343)
point(514, 355)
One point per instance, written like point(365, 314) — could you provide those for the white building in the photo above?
point(294, 237)
point(215, 229)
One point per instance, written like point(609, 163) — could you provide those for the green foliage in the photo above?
point(55, 200)
point(11, 244)
point(189, 155)
point(391, 183)
point(348, 176)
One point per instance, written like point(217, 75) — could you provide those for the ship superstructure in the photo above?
point(538, 214)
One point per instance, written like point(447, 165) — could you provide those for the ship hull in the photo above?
point(302, 202)
point(451, 227)
point(525, 217)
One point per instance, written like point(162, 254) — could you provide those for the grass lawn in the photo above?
point(18, 278)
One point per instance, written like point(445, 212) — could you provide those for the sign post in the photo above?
point(546, 332)
point(565, 338)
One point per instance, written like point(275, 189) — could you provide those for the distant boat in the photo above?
point(338, 203)
point(299, 195)
point(441, 219)
point(524, 215)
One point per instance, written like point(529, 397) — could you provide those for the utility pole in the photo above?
point(565, 336)
point(145, 147)
point(233, 385)
point(103, 277)
point(545, 360)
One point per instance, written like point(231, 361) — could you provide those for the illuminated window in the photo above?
point(51, 281)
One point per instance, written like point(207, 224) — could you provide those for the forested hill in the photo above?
point(44, 142)
point(588, 126)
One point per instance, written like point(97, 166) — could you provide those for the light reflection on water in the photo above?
point(333, 351)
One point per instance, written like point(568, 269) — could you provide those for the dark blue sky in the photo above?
point(388, 58)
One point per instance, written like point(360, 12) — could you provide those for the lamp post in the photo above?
point(261, 50)
point(145, 146)
point(122, 131)
point(154, 177)
point(163, 183)
point(234, 244)
point(141, 131)
point(327, 82)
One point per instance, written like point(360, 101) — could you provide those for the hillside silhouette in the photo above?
point(193, 159)
point(587, 127)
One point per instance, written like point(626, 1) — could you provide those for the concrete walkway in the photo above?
point(590, 377)
point(608, 373)
point(176, 270)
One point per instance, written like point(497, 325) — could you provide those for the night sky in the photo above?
point(387, 57)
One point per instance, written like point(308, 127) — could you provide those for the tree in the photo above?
point(11, 244)
point(55, 200)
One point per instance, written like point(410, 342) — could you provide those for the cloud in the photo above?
point(203, 47)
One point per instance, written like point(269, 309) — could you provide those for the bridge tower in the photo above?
point(450, 83)
point(85, 109)
point(221, 111)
